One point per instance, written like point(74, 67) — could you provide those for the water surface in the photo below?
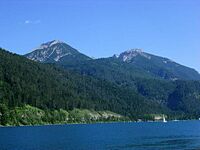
point(109, 136)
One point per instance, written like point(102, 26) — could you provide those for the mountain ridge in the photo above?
point(99, 84)
point(157, 66)
point(47, 86)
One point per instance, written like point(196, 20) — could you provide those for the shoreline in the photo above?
point(12, 126)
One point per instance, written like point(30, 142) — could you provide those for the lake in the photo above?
point(109, 136)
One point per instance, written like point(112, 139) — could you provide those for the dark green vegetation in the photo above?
point(136, 88)
point(44, 86)
point(28, 115)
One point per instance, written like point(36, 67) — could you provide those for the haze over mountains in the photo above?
point(134, 84)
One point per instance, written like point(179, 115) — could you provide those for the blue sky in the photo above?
point(169, 28)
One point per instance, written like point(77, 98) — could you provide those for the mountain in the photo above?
point(136, 70)
point(56, 51)
point(58, 80)
point(49, 87)
point(158, 66)
point(134, 62)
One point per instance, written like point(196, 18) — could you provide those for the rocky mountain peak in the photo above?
point(135, 50)
point(49, 44)
point(52, 50)
point(128, 55)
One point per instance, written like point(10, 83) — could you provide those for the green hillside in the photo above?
point(86, 87)
point(45, 86)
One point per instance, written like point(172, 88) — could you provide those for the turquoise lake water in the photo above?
point(109, 136)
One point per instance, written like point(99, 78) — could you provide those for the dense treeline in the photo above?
point(167, 93)
point(48, 87)
point(133, 94)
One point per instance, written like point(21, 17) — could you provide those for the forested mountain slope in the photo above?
point(155, 78)
point(58, 79)
point(45, 86)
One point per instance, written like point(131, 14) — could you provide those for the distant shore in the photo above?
point(113, 122)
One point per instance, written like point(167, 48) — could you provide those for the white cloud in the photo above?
point(27, 21)
point(32, 21)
